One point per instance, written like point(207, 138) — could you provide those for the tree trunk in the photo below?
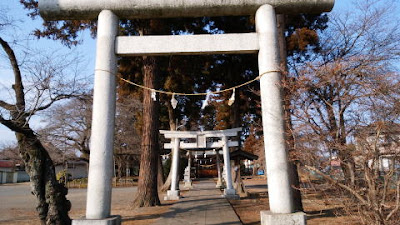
point(348, 166)
point(339, 143)
point(293, 169)
point(52, 204)
point(350, 170)
point(160, 174)
point(237, 180)
point(147, 194)
point(120, 169)
point(235, 108)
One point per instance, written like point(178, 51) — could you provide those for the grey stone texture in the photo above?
point(102, 137)
point(269, 218)
point(279, 190)
point(113, 220)
point(130, 9)
point(172, 195)
point(187, 44)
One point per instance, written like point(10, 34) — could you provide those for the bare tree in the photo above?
point(45, 83)
point(351, 84)
point(351, 74)
point(69, 126)
point(9, 152)
point(127, 147)
point(375, 199)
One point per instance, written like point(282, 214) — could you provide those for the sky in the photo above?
point(25, 25)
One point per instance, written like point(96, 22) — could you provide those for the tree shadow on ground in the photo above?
point(148, 215)
point(252, 223)
point(255, 195)
point(141, 217)
point(333, 212)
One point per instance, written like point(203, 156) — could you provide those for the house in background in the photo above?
point(22, 174)
point(380, 142)
point(76, 168)
point(8, 173)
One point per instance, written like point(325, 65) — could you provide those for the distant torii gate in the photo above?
point(265, 42)
point(200, 142)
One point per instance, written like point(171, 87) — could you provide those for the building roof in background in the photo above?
point(76, 161)
point(7, 164)
point(241, 155)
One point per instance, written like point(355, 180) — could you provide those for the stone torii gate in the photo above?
point(109, 45)
point(200, 142)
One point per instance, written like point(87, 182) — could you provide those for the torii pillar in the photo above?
point(279, 188)
point(219, 181)
point(229, 191)
point(264, 42)
point(188, 170)
point(173, 194)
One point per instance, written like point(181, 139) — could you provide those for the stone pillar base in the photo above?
point(219, 184)
point(112, 220)
point(172, 195)
point(269, 218)
point(188, 184)
point(231, 194)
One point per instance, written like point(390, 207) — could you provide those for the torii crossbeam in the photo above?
point(139, 9)
point(264, 41)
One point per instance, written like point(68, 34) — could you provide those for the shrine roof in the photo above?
point(239, 154)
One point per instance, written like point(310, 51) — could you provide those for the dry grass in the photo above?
point(318, 210)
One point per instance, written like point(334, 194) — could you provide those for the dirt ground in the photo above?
point(318, 210)
point(17, 206)
point(142, 216)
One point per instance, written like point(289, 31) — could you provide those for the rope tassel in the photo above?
point(153, 95)
point(232, 98)
point(205, 102)
point(174, 102)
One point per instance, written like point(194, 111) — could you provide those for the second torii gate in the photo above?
point(109, 45)
point(200, 142)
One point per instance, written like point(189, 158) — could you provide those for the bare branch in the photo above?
point(397, 204)
point(7, 106)
point(52, 101)
point(18, 86)
point(335, 182)
point(12, 125)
